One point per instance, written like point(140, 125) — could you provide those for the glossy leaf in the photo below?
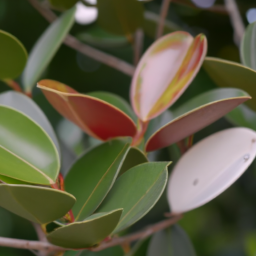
point(231, 74)
point(210, 167)
point(172, 241)
point(134, 157)
point(98, 118)
point(165, 71)
point(13, 56)
point(97, 36)
point(93, 174)
point(120, 17)
point(140, 248)
point(24, 104)
point(86, 233)
point(26, 151)
point(45, 49)
point(63, 4)
point(136, 191)
point(192, 116)
point(37, 204)
point(248, 47)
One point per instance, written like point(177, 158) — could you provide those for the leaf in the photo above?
point(242, 116)
point(13, 56)
point(140, 248)
point(97, 36)
point(248, 46)
point(192, 116)
point(155, 89)
point(97, 118)
point(120, 17)
point(63, 4)
point(37, 204)
point(26, 151)
point(210, 167)
point(134, 157)
point(112, 251)
point(28, 107)
point(231, 74)
point(93, 174)
point(86, 233)
point(172, 241)
point(204, 3)
point(136, 191)
point(250, 247)
point(45, 49)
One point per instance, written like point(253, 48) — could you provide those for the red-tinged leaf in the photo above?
point(96, 117)
point(192, 116)
point(165, 71)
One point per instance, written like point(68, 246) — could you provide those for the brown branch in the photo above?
point(138, 45)
point(47, 247)
point(87, 50)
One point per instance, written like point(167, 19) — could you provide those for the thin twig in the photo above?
point(163, 14)
point(87, 50)
point(236, 20)
point(138, 45)
point(47, 247)
point(40, 233)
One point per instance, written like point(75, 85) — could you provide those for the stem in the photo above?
point(138, 45)
point(163, 14)
point(14, 85)
point(87, 50)
point(142, 128)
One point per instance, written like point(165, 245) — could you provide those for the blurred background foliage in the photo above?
point(224, 227)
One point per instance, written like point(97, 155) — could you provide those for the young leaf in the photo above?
point(120, 17)
point(13, 56)
point(193, 116)
point(231, 74)
point(93, 174)
point(172, 241)
point(165, 71)
point(96, 117)
point(63, 4)
point(24, 104)
point(248, 47)
point(136, 191)
point(26, 151)
point(37, 204)
point(45, 49)
point(210, 167)
point(86, 233)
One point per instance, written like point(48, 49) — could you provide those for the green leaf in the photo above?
point(250, 245)
point(134, 157)
point(248, 46)
point(45, 49)
point(140, 248)
point(136, 191)
point(28, 107)
point(37, 204)
point(93, 174)
point(120, 16)
point(231, 74)
point(63, 4)
point(26, 151)
point(172, 241)
point(116, 101)
point(97, 36)
point(13, 56)
point(112, 251)
point(86, 233)
point(192, 116)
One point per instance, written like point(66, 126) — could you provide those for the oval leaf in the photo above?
point(193, 116)
point(204, 3)
point(26, 151)
point(24, 104)
point(96, 117)
point(210, 167)
point(13, 56)
point(38, 204)
point(165, 71)
point(231, 74)
point(45, 48)
point(171, 241)
point(147, 182)
point(86, 233)
point(93, 174)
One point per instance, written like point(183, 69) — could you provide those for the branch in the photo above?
point(87, 50)
point(47, 247)
point(138, 45)
point(236, 20)
point(163, 14)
